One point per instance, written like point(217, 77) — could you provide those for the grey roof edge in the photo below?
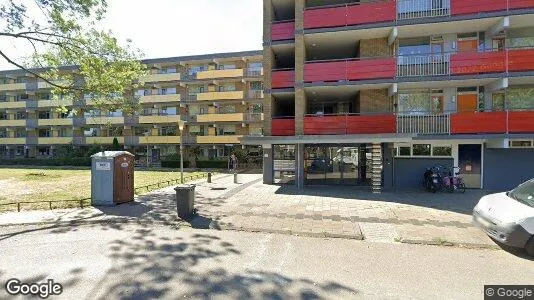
point(155, 60)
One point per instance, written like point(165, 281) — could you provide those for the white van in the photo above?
point(509, 217)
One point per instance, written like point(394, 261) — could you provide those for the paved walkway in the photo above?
point(346, 212)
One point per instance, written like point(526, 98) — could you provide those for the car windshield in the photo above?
point(524, 193)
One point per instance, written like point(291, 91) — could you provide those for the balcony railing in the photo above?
point(492, 122)
point(255, 94)
point(283, 31)
point(283, 126)
point(350, 124)
point(253, 117)
point(283, 78)
point(423, 65)
point(424, 124)
point(349, 69)
point(414, 9)
point(349, 14)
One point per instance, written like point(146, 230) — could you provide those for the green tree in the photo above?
point(116, 146)
point(64, 35)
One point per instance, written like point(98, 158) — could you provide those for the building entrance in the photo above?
point(337, 164)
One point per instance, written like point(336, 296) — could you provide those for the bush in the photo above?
point(212, 164)
point(63, 161)
point(173, 164)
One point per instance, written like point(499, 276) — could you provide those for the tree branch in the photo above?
point(35, 73)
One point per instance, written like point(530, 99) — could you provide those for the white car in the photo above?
point(509, 217)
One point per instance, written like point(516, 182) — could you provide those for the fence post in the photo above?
point(50, 204)
point(18, 206)
point(81, 203)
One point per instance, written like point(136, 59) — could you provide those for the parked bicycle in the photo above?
point(453, 182)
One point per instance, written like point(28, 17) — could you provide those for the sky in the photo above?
point(167, 28)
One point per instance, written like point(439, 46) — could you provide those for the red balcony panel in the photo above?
point(517, 4)
point(371, 124)
point(478, 62)
point(325, 71)
point(316, 125)
point(283, 79)
point(478, 122)
point(463, 7)
point(521, 121)
point(371, 68)
point(283, 31)
point(283, 127)
point(521, 60)
point(371, 12)
point(325, 17)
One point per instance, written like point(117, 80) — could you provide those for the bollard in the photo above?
point(235, 177)
point(209, 177)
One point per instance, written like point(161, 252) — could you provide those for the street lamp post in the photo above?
point(181, 127)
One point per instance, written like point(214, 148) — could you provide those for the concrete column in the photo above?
point(299, 165)
point(376, 168)
point(268, 60)
point(268, 173)
point(300, 60)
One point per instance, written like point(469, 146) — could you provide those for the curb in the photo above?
point(92, 222)
point(445, 243)
point(229, 227)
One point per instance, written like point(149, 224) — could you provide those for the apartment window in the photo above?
point(64, 132)
point(89, 132)
point(467, 42)
point(498, 100)
point(3, 134)
point(20, 116)
point(44, 133)
point(20, 80)
point(168, 131)
point(117, 113)
point(142, 131)
point(256, 86)
point(442, 151)
point(521, 144)
point(44, 96)
point(167, 71)
point(193, 70)
point(520, 98)
point(44, 115)
point(19, 151)
point(520, 37)
point(170, 110)
point(4, 116)
point(196, 130)
point(226, 87)
point(193, 110)
point(44, 151)
point(227, 130)
point(421, 150)
point(3, 97)
point(256, 131)
point(196, 89)
point(147, 92)
point(420, 102)
point(257, 108)
point(227, 109)
point(227, 66)
point(255, 65)
point(203, 111)
point(20, 133)
point(23, 97)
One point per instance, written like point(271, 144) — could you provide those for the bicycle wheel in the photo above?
point(461, 187)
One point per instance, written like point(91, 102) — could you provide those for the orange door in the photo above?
point(467, 45)
point(467, 103)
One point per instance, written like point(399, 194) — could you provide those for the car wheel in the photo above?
point(529, 248)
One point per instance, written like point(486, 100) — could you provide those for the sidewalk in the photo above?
point(155, 207)
point(250, 205)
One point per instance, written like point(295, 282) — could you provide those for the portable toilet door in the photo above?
point(123, 178)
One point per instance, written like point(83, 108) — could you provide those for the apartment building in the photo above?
point(371, 93)
point(216, 99)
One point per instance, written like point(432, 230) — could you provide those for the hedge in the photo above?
point(64, 161)
point(173, 164)
point(201, 164)
point(212, 164)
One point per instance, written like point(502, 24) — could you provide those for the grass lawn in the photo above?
point(35, 184)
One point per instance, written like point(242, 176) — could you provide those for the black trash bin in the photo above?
point(185, 200)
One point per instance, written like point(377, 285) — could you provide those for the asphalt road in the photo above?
point(135, 261)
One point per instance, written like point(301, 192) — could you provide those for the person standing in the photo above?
point(232, 163)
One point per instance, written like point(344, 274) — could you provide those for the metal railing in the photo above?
point(424, 124)
point(255, 94)
point(254, 72)
point(414, 9)
point(423, 65)
point(253, 117)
